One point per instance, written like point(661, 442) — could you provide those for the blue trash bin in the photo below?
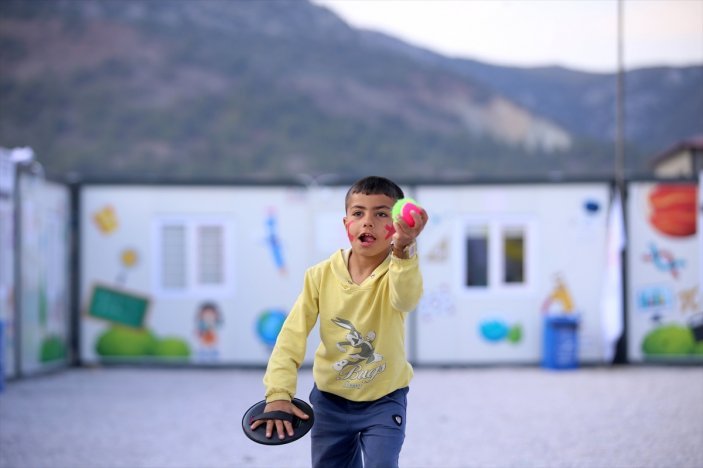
point(2, 355)
point(560, 345)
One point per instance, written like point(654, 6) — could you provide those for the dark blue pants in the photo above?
point(345, 431)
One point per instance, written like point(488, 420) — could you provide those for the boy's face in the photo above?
point(209, 316)
point(369, 223)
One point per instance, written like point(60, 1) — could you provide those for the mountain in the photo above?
point(662, 105)
point(270, 89)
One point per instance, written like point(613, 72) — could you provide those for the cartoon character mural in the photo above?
point(207, 321)
point(43, 255)
point(655, 300)
point(688, 300)
point(664, 260)
point(127, 335)
point(675, 340)
point(129, 258)
point(439, 252)
point(674, 326)
point(437, 303)
point(495, 330)
point(274, 241)
point(673, 210)
point(106, 220)
point(559, 300)
point(682, 338)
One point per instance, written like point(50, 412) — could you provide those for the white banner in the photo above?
point(7, 262)
point(612, 298)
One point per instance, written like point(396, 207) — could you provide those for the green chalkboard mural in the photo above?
point(118, 306)
point(128, 336)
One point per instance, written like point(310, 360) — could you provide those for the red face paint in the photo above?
point(390, 229)
point(348, 225)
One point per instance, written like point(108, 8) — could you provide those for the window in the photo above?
point(173, 257)
point(513, 255)
point(477, 256)
point(193, 256)
point(495, 254)
point(210, 255)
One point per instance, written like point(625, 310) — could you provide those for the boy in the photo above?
point(362, 296)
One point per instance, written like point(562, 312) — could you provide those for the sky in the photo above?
point(578, 34)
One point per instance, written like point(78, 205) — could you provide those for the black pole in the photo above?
point(619, 168)
point(75, 274)
point(620, 356)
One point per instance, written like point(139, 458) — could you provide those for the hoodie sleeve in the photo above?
point(281, 376)
point(405, 283)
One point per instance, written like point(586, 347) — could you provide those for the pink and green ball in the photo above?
point(403, 209)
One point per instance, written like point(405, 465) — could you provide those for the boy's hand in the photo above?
point(281, 426)
point(406, 235)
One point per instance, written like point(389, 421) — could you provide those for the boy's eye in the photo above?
point(357, 213)
point(383, 214)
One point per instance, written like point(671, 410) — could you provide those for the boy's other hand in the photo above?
point(282, 427)
point(406, 235)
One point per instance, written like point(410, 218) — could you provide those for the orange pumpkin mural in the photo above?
point(674, 209)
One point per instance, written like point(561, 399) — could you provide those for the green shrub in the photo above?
point(669, 340)
point(125, 341)
point(53, 348)
point(172, 347)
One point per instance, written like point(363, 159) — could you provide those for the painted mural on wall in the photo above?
point(496, 330)
point(44, 274)
point(437, 303)
point(673, 209)
point(667, 310)
point(127, 333)
point(273, 239)
point(7, 262)
point(489, 257)
point(559, 300)
point(268, 326)
point(105, 220)
point(182, 279)
point(208, 321)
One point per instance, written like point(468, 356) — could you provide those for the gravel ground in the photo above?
point(630, 416)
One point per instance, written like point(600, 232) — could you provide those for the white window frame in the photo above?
point(191, 224)
point(495, 227)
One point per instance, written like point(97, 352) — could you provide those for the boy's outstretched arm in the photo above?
point(282, 427)
point(406, 281)
point(406, 235)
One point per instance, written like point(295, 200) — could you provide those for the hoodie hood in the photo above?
point(339, 262)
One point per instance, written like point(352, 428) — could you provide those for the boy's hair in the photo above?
point(374, 185)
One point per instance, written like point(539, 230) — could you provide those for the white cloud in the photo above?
point(664, 32)
point(578, 34)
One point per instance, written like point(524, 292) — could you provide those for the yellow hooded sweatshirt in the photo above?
point(361, 356)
